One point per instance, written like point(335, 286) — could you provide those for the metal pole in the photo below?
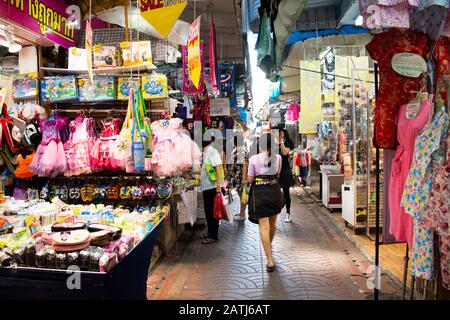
point(127, 38)
point(377, 204)
point(405, 272)
point(413, 282)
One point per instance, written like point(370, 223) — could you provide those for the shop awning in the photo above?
point(345, 30)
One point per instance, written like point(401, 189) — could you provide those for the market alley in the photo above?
point(315, 260)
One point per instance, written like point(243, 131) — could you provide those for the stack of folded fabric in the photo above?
point(67, 241)
point(116, 232)
point(101, 238)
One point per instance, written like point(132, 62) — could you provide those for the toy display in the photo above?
point(136, 53)
point(26, 87)
point(77, 59)
point(104, 57)
point(154, 86)
point(124, 84)
point(101, 90)
point(58, 89)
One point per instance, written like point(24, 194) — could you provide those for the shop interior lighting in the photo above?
point(14, 47)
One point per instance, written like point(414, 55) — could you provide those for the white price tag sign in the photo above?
point(412, 109)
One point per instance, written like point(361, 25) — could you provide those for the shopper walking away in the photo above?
point(212, 175)
point(265, 198)
point(236, 173)
point(286, 179)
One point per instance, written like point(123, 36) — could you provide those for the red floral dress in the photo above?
point(395, 90)
point(442, 65)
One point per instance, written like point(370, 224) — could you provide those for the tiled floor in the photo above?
point(314, 261)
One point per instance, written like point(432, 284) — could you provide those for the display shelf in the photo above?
point(105, 71)
point(127, 280)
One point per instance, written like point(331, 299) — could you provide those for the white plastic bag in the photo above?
point(232, 203)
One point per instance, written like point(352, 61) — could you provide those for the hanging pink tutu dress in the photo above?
point(103, 155)
point(172, 149)
point(79, 146)
point(50, 159)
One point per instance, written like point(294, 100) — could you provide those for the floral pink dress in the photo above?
point(401, 224)
point(438, 215)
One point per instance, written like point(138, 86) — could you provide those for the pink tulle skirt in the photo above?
point(49, 160)
point(164, 162)
point(186, 152)
point(103, 156)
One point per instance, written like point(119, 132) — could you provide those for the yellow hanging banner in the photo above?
point(194, 59)
point(162, 14)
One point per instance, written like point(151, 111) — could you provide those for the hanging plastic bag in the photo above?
point(138, 132)
point(219, 212)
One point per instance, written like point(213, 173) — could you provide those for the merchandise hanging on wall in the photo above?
point(154, 86)
point(102, 89)
point(55, 89)
point(227, 74)
point(310, 91)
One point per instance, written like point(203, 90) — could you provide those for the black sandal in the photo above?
point(209, 241)
point(270, 268)
point(205, 236)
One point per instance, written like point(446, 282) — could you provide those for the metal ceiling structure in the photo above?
point(318, 14)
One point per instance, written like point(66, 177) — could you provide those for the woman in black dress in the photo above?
point(286, 179)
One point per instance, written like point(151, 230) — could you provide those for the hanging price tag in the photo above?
point(412, 109)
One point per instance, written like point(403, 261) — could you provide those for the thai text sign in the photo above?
point(162, 14)
point(47, 18)
point(409, 64)
point(194, 60)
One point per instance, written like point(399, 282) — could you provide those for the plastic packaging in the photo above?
point(84, 260)
point(107, 261)
point(73, 259)
point(94, 259)
point(51, 258)
point(61, 261)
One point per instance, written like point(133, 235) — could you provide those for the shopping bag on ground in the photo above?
point(234, 202)
point(219, 208)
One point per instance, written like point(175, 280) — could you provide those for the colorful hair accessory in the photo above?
point(164, 190)
point(44, 192)
point(153, 190)
point(74, 193)
point(33, 194)
point(100, 192)
point(63, 192)
point(125, 192)
point(136, 193)
point(87, 192)
point(113, 192)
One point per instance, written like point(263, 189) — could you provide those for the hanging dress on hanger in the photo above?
point(401, 224)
